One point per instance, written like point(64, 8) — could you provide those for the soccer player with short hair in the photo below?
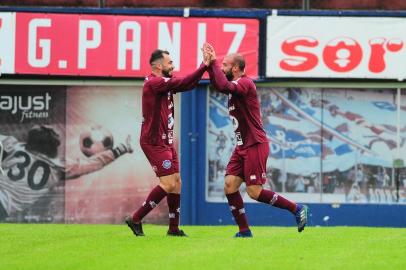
point(32, 168)
point(248, 161)
point(157, 138)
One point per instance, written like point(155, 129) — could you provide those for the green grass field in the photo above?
point(57, 246)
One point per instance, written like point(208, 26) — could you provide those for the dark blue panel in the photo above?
point(338, 215)
point(193, 149)
point(232, 13)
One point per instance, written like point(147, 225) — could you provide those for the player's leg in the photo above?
point(160, 159)
point(231, 189)
point(232, 184)
point(255, 171)
point(173, 200)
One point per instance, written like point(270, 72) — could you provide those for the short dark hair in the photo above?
point(43, 139)
point(157, 54)
point(239, 61)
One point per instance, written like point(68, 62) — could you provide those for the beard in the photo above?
point(166, 73)
point(229, 75)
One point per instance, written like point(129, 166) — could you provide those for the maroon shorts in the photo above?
point(163, 159)
point(250, 164)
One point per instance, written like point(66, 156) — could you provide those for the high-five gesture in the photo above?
point(209, 55)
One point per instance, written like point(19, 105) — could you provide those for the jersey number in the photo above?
point(21, 166)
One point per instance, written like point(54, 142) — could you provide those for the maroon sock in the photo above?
point(237, 209)
point(153, 199)
point(270, 197)
point(173, 200)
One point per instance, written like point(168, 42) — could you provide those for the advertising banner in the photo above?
point(57, 155)
point(336, 47)
point(327, 145)
point(118, 45)
point(7, 42)
point(32, 136)
point(118, 188)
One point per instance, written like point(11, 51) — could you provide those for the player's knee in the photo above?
point(229, 186)
point(253, 192)
point(252, 195)
point(177, 179)
point(178, 185)
point(169, 186)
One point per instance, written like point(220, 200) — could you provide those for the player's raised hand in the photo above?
point(206, 57)
point(210, 50)
point(208, 54)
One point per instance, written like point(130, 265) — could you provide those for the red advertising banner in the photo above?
point(120, 46)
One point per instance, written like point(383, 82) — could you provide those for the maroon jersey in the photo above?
point(157, 105)
point(243, 106)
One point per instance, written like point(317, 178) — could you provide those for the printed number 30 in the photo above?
point(31, 171)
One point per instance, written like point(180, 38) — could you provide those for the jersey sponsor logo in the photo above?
point(234, 121)
point(253, 177)
point(166, 164)
point(170, 136)
point(238, 137)
point(171, 121)
point(29, 106)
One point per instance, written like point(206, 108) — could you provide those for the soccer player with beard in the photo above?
point(248, 161)
point(157, 138)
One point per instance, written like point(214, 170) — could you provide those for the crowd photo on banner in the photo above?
point(327, 145)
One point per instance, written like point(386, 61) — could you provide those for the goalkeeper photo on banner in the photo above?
point(34, 160)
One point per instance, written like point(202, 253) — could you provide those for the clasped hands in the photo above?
point(209, 55)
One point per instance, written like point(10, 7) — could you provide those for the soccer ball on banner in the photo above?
point(95, 140)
